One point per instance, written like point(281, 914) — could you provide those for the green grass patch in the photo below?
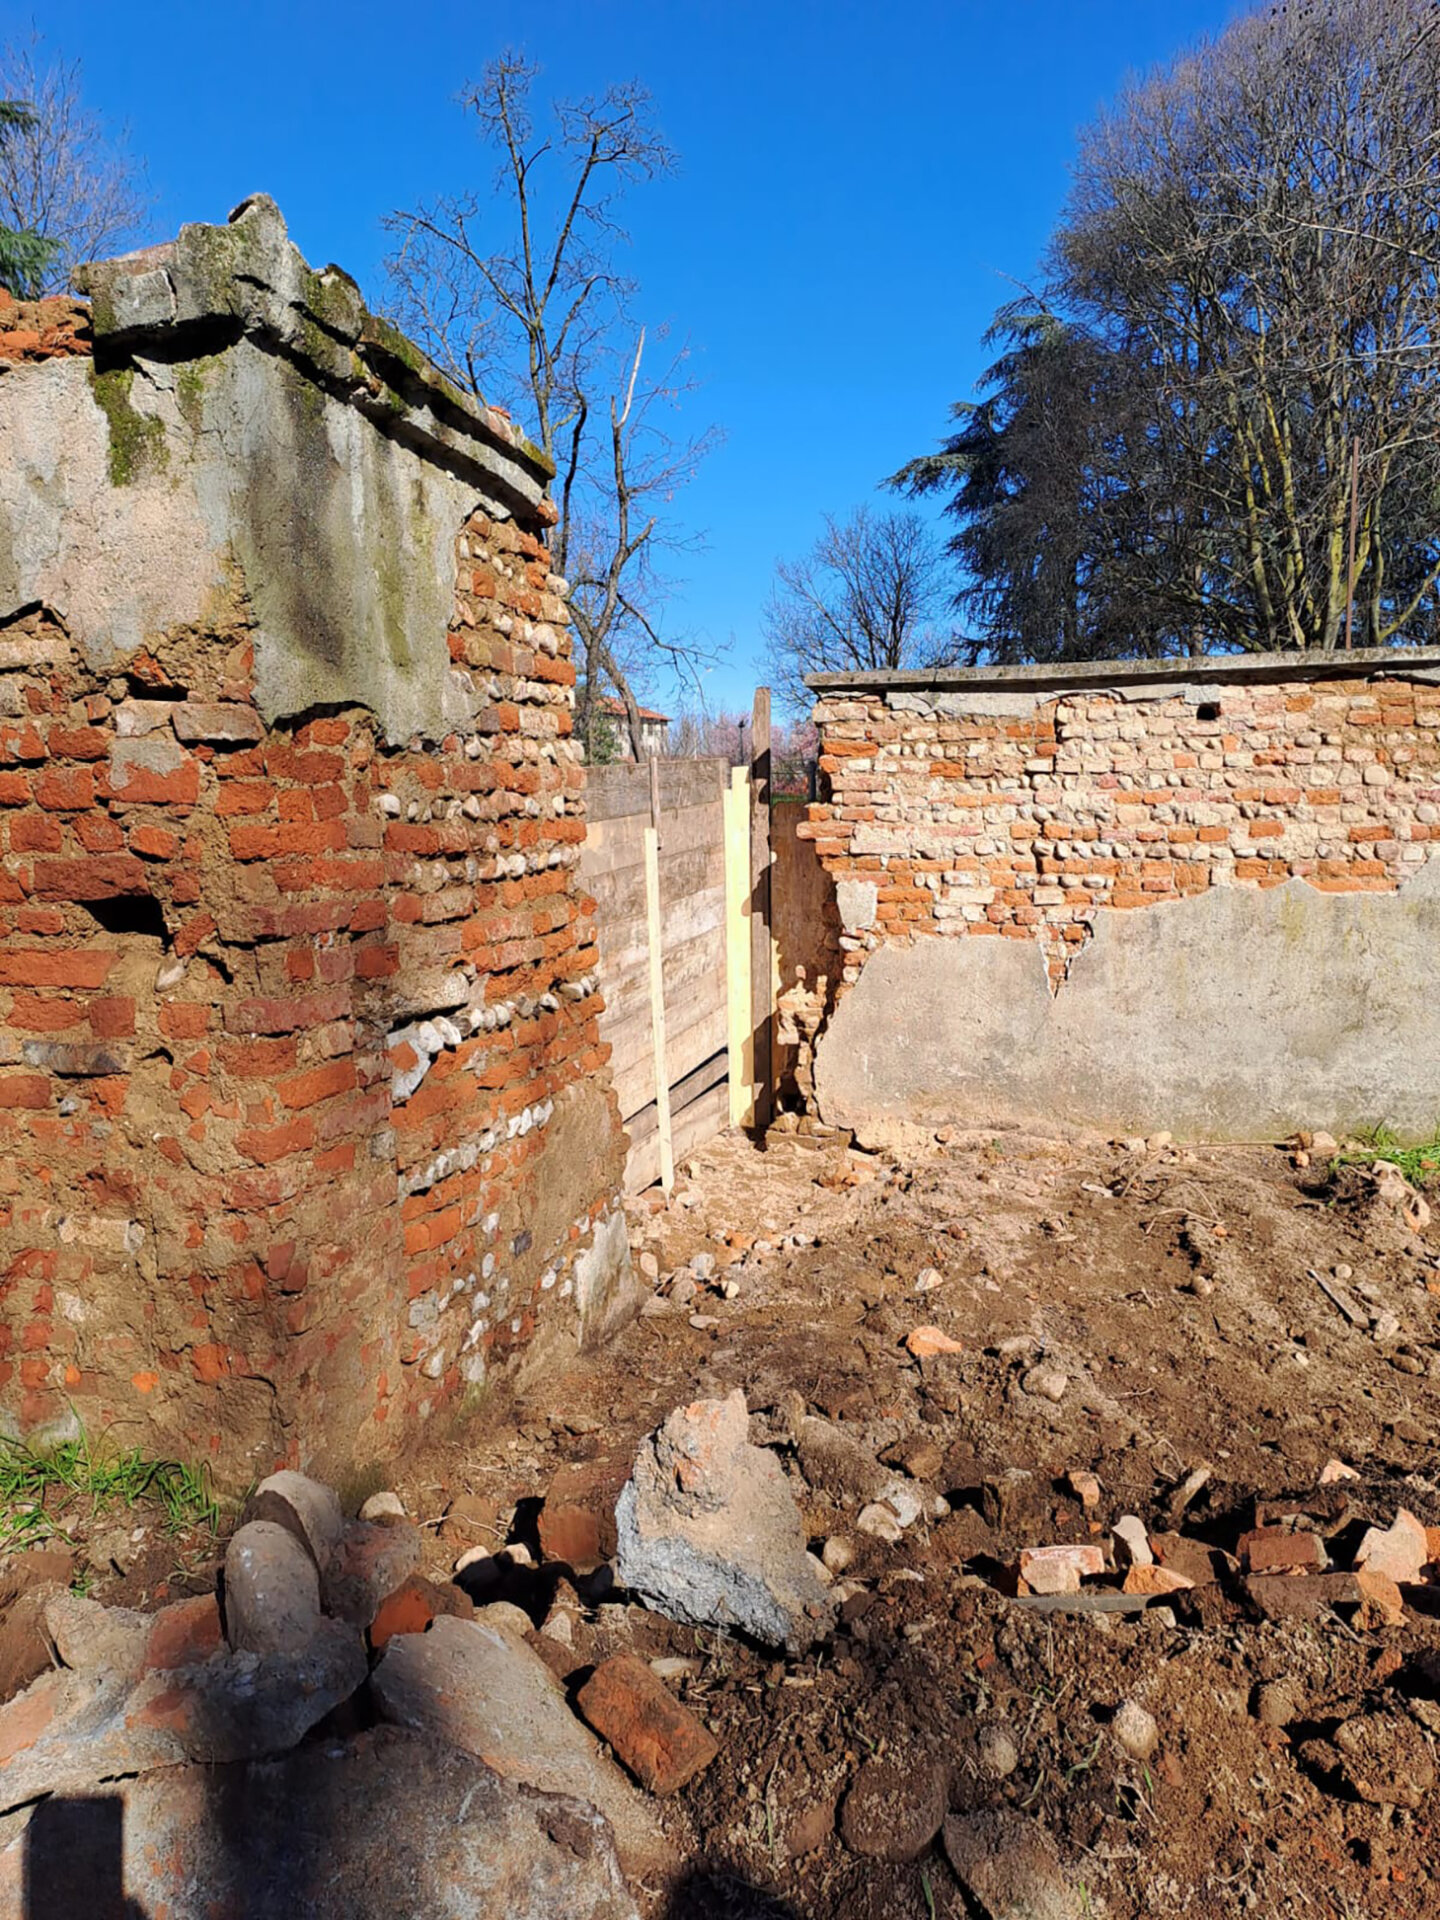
point(43, 1495)
point(1419, 1164)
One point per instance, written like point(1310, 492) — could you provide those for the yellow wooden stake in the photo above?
point(657, 1004)
point(739, 1037)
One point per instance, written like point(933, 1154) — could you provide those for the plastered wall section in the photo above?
point(1198, 905)
point(306, 1132)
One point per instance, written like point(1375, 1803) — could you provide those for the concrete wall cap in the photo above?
point(1100, 676)
point(248, 277)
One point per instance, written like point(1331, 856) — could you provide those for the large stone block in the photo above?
point(389, 1824)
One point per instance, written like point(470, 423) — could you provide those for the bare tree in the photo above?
point(1258, 228)
point(528, 274)
point(865, 597)
point(1235, 346)
point(62, 179)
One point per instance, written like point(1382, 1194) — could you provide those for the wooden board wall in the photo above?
point(693, 910)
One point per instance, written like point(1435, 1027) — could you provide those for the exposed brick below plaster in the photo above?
point(227, 1219)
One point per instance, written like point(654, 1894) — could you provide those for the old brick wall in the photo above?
point(1038, 807)
point(1028, 819)
point(305, 1127)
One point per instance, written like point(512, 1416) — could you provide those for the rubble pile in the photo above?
point(853, 1594)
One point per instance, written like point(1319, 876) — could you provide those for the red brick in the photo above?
point(98, 833)
point(184, 1019)
point(268, 1144)
point(258, 1059)
point(30, 1090)
point(39, 967)
point(79, 743)
point(288, 1016)
point(570, 1534)
point(63, 789)
point(320, 1083)
point(144, 787)
point(35, 833)
point(154, 843)
point(183, 1635)
point(245, 796)
point(657, 1738)
point(35, 1014)
point(112, 1019)
point(103, 877)
point(1274, 1550)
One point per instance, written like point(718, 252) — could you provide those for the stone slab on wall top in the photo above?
point(1239, 1014)
point(251, 440)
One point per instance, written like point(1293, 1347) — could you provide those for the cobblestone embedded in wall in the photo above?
point(303, 1123)
point(980, 810)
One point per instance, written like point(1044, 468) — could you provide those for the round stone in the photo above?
point(998, 1753)
point(892, 1812)
point(1135, 1729)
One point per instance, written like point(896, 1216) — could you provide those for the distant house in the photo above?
point(654, 728)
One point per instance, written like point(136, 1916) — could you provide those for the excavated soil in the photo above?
point(1179, 1295)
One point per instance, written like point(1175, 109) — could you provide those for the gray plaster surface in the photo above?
point(1239, 1014)
point(251, 444)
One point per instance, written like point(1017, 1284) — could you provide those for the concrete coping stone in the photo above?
point(1099, 676)
point(173, 302)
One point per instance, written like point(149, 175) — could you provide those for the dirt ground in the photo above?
point(1179, 1295)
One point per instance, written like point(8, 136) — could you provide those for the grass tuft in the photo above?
point(1420, 1164)
point(42, 1495)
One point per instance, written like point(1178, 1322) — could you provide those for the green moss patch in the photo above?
point(137, 440)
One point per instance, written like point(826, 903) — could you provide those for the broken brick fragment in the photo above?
point(656, 1737)
point(413, 1605)
point(1276, 1550)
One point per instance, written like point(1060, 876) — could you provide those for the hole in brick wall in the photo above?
point(1208, 710)
point(131, 913)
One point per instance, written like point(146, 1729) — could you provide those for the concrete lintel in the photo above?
point(171, 302)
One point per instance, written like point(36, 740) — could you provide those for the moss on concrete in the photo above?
point(137, 440)
point(191, 380)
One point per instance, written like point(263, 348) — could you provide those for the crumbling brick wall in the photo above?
point(1025, 814)
point(305, 1121)
point(1044, 806)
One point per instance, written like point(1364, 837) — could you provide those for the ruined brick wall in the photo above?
point(1026, 813)
point(1043, 808)
point(304, 1124)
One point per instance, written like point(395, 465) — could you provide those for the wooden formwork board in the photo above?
point(670, 857)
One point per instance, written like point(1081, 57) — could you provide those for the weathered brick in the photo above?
point(253, 912)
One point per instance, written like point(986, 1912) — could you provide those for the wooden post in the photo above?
point(761, 977)
point(655, 943)
point(739, 1039)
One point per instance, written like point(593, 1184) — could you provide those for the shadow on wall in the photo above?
point(75, 1860)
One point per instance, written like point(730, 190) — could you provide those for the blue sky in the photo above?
point(860, 186)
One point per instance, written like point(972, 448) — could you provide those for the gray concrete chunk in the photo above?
point(387, 1825)
point(710, 1533)
point(483, 1688)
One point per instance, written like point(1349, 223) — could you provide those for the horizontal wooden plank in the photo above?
point(615, 791)
point(700, 1122)
point(699, 1081)
point(694, 976)
point(685, 1047)
point(620, 897)
point(617, 844)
